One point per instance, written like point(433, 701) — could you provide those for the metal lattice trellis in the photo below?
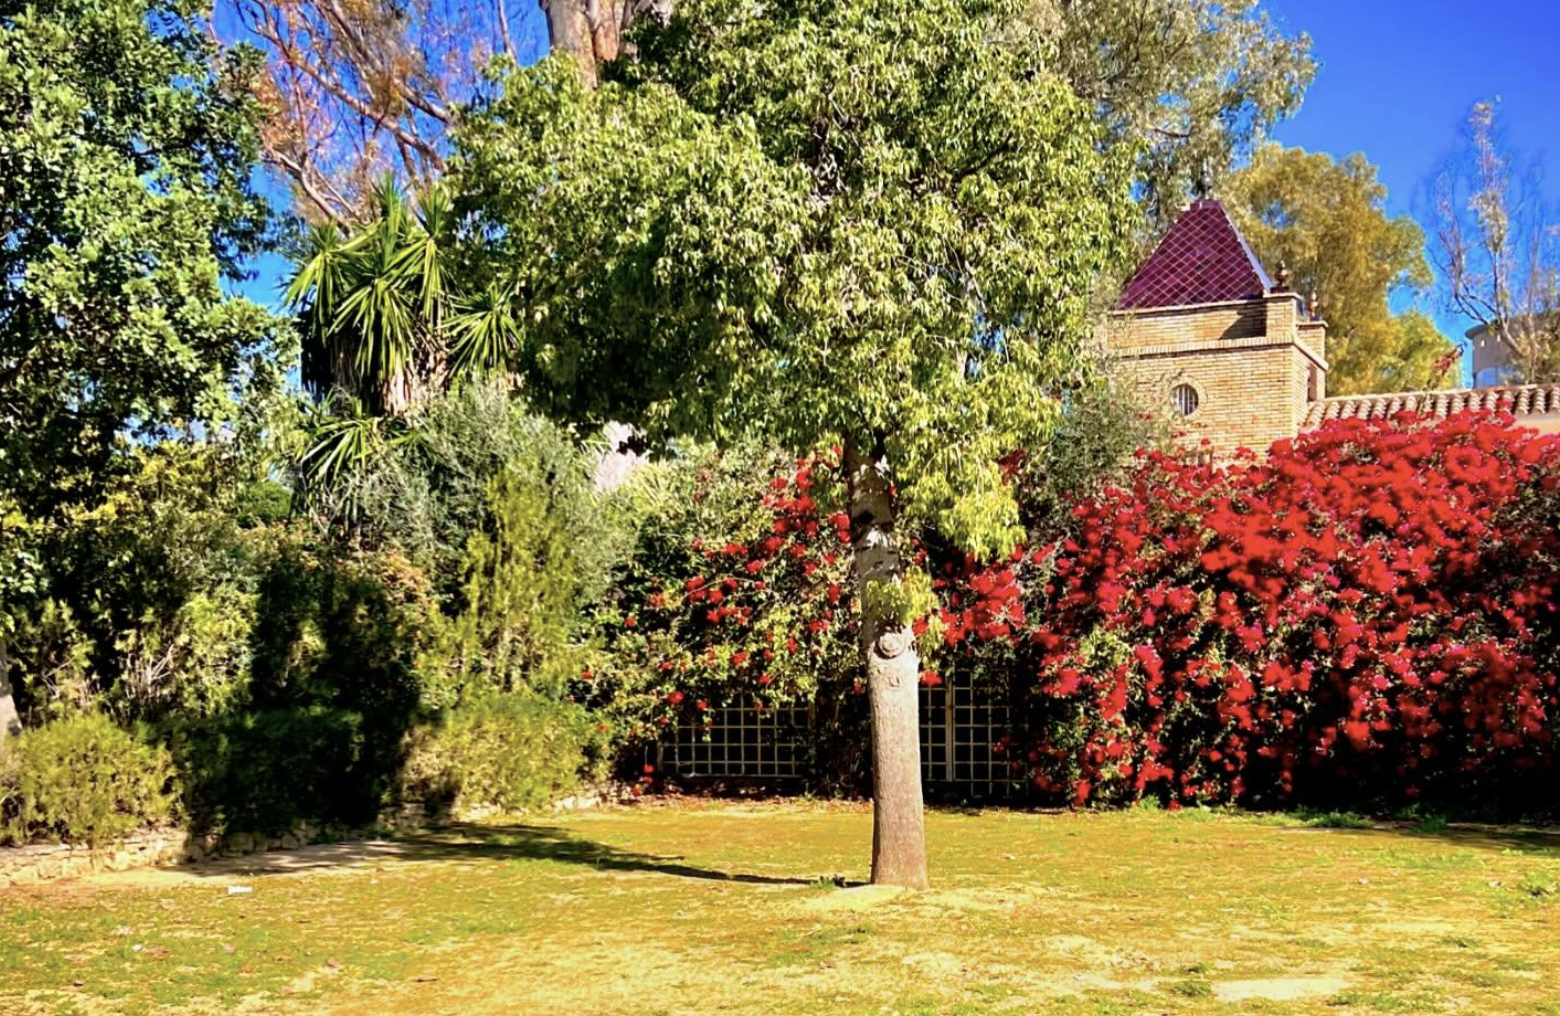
point(960, 725)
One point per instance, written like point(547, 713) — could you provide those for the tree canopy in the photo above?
point(1198, 83)
point(1326, 222)
point(125, 199)
point(873, 223)
point(818, 220)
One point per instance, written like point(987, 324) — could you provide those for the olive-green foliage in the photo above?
point(1103, 425)
point(499, 507)
point(82, 779)
point(266, 770)
point(1197, 82)
point(430, 487)
point(1326, 220)
point(513, 753)
point(151, 589)
point(516, 622)
point(819, 221)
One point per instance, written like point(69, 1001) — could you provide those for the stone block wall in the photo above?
point(1242, 401)
point(1256, 367)
point(1150, 331)
point(44, 862)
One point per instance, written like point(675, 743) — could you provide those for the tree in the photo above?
point(353, 91)
point(1197, 83)
point(1325, 221)
point(126, 151)
point(387, 322)
point(859, 222)
point(596, 32)
point(1498, 248)
point(358, 90)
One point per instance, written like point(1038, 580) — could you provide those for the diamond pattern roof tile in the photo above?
point(1203, 259)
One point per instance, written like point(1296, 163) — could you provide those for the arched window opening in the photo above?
point(1185, 399)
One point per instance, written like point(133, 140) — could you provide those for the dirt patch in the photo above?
point(1278, 989)
point(863, 897)
point(320, 859)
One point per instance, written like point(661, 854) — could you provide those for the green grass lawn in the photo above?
point(734, 909)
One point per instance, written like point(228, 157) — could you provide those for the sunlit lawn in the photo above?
point(735, 909)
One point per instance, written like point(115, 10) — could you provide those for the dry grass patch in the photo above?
point(670, 911)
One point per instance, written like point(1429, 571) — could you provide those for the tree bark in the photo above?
point(893, 671)
point(10, 722)
point(592, 30)
point(569, 31)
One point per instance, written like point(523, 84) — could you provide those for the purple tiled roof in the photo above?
point(1203, 259)
point(1518, 400)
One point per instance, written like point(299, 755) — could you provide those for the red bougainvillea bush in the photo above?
point(738, 594)
point(1367, 615)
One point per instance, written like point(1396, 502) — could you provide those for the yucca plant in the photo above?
point(384, 325)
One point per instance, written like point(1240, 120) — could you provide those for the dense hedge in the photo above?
point(1365, 616)
point(82, 779)
point(507, 753)
point(291, 648)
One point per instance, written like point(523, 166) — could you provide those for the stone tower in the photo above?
point(1204, 333)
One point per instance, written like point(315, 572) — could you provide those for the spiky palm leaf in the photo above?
point(483, 333)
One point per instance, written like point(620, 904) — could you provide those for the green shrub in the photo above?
point(513, 753)
point(82, 779)
point(268, 770)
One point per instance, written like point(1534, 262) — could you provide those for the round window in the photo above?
point(1184, 399)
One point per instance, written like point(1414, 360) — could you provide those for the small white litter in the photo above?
point(239, 890)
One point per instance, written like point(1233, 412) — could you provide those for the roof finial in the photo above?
point(1283, 277)
point(1204, 186)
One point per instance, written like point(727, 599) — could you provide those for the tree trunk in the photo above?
point(592, 30)
point(893, 672)
point(569, 31)
point(10, 722)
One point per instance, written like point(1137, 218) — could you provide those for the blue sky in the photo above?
point(1397, 78)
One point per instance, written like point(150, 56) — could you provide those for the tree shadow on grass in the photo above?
point(542, 843)
point(1477, 836)
point(471, 842)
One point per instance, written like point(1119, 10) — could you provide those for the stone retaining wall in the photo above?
point(43, 862)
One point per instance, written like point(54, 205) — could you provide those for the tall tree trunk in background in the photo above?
point(592, 30)
point(10, 722)
point(893, 670)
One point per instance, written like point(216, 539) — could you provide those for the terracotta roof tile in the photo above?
point(1203, 259)
point(1518, 400)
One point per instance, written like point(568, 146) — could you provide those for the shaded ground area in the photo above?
point(739, 909)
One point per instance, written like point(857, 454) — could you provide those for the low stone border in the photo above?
point(44, 862)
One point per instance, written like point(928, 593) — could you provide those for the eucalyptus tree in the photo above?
point(1198, 83)
point(866, 222)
